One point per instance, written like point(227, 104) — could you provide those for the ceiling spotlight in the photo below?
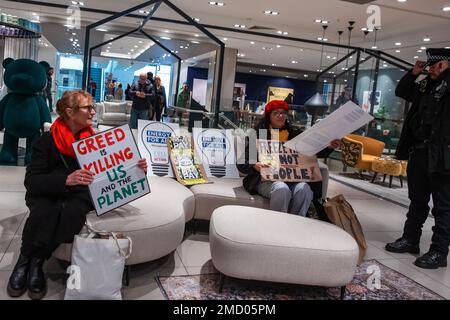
point(374, 47)
point(416, 57)
point(225, 39)
point(101, 30)
point(398, 43)
point(427, 39)
point(305, 76)
point(195, 42)
point(270, 12)
point(284, 33)
point(294, 61)
point(140, 41)
point(398, 51)
point(274, 64)
point(423, 48)
point(242, 26)
point(419, 51)
point(197, 19)
point(166, 38)
point(219, 4)
point(446, 8)
point(278, 46)
point(252, 42)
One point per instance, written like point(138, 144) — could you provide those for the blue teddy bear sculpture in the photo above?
point(23, 111)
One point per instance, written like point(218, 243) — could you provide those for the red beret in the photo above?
point(276, 104)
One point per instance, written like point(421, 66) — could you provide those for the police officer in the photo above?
point(425, 140)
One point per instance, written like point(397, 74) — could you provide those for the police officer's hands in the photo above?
point(419, 67)
point(80, 177)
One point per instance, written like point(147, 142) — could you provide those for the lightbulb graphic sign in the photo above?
point(216, 150)
point(153, 137)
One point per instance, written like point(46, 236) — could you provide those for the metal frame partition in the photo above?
point(88, 50)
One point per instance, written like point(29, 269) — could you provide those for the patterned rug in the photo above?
point(394, 286)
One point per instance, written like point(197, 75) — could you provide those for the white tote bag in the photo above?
point(97, 266)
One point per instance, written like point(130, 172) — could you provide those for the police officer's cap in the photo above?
point(436, 55)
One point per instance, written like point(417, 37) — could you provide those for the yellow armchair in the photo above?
point(359, 152)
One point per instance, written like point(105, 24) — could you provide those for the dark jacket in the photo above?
point(142, 104)
point(160, 98)
point(253, 178)
point(428, 120)
point(45, 181)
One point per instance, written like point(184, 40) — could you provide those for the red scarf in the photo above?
point(63, 136)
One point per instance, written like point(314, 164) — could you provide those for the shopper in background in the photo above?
point(92, 88)
point(127, 93)
point(183, 100)
point(345, 97)
point(425, 141)
point(118, 95)
point(160, 98)
point(48, 89)
point(142, 92)
point(293, 197)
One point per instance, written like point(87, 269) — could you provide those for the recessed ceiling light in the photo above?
point(284, 33)
point(252, 42)
point(213, 3)
point(144, 12)
point(374, 47)
point(294, 61)
point(447, 48)
point(140, 41)
point(195, 42)
point(166, 38)
point(398, 51)
point(108, 47)
point(135, 46)
point(446, 8)
point(402, 0)
point(305, 76)
point(423, 48)
point(197, 19)
point(398, 43)
point(101, 30)
point(278, 46)
point(416, 57)
point(274, 64)
point(419, 51)
point(225, 39)
point(426, 39)
point(242, 26)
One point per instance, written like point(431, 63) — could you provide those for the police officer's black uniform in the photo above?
point(425, 141)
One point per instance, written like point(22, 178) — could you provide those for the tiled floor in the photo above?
point(382, 222)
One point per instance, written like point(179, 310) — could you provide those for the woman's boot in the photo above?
point(17, 284)
point(37, 284)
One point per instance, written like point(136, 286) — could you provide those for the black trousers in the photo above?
point(421, 185)
point(158, 112)
point(52, 222)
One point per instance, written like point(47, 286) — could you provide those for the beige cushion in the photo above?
point(258, 244)
point(154, 222)
point(223, 192)
point(115, 107)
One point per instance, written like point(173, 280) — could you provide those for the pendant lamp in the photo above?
point(316, 106)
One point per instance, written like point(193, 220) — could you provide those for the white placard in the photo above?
point(152, 142)
point(338, 124)
point(112, 156)
point(216, 150)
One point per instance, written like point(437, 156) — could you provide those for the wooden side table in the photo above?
point(391, 167)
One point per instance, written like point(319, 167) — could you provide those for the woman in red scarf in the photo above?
point(57, 193)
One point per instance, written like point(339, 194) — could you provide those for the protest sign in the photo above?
point(112, 156)
point(152, 142)
point(215, 148)
point(186, 164)
point(285, 164)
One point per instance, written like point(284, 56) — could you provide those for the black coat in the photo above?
point(253, 178)
point(57, 212)
point(430, 99)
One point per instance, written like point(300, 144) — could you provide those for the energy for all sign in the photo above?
point(216, 150)
point(112, 156)
point(284, 164)
point(152, 142)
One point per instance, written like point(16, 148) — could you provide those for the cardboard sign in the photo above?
point(112, 156)
point(216, 150)
point(285, 164)
point(152, 142)
point(187, 165)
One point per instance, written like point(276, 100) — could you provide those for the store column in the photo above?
point(228, 79)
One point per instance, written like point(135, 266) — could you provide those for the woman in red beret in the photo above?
point(295, 197)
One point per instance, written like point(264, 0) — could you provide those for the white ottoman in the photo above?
point(154, 222)
point(259, 244)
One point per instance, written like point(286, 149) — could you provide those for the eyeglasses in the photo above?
point(89, 107)
point(279, 113)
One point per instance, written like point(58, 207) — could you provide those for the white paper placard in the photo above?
point(338, 124)
point(152, 142)
point(215, 148)
point(112, 156)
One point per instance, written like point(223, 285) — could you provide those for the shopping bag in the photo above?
point(98, 262)
point(341, 213)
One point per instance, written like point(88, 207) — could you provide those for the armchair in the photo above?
point(359, 152)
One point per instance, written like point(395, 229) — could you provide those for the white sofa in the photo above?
point(113, 113)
